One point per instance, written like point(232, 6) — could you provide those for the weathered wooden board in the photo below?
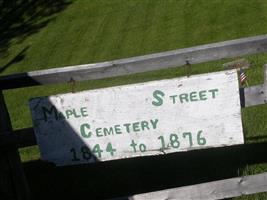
point(222, 189)
point(139, 64)
point(255, 95)
point(150, 118)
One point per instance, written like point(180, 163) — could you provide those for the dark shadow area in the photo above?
point(58, 127)
point(139, 175)
point(21, 18)
point(17, 81)
point(59, 141)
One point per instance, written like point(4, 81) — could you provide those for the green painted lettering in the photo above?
point(75, 114)
point(108, 131)
point(117, 129)
point(133, 145)
point(193, 96)
point(154, 123)
point(86, 153)
point(84, 112)
point(61, 116)
point(189, 134)
point(98, 132)
point(213, 92)
point(142, 147)
point(183, 97)
point(127, 126)
point(202, 95)
point(136, 127)
point(84, 133)
point(51, 111)
point(68, 113)
point(174, 141)
point(201, 140)
point(158, 95)
point(173, 97)
point(144, 125)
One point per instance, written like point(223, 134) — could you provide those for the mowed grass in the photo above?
point(89, 31)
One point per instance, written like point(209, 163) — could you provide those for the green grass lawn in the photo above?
point(60, 33)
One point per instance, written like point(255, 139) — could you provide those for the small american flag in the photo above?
point(242, 77)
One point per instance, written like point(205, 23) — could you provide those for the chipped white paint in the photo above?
point(178, 114)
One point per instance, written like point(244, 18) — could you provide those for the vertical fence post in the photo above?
point(13, 184)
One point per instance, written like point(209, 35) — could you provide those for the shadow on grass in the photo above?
point(256, 138)
point(21, 18)
point(126, 177)
point(19, 57)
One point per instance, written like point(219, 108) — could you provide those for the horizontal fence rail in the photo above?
point(18, 139)
point(157, 61)
point(222, 189)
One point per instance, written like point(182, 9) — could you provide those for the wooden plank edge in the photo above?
point(254, 95)
point(227, 188)
point(139, 64)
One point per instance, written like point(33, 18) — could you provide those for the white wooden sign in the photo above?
point(143, 119)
